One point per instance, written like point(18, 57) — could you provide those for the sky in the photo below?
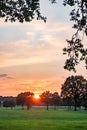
point(31, 56)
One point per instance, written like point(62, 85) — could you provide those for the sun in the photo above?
point(36, 96)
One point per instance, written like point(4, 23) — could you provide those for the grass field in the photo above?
point(40, 119)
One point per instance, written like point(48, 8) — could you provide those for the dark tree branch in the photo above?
point(75, 49)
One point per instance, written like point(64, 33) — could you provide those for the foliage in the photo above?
point(9, 103)
point(20, 100)
point(25, 99)
point(46, 97)
point(29, 99)
point(56, 100)
point(21, 10)
point(73, 90)
point(75, 49)
point(53, 1)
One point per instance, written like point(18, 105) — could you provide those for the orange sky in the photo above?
point(31, 53)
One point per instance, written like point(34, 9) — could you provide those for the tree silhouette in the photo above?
point(21, 10)
point(74, 88)
point(56, 100)
point(75, 49)
point(10, 103)
point(20, 100)
point(25, 99)
point(46, 98)
point(28, 99)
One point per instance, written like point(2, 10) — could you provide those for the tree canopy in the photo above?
point(73, 90)
point(21, 10)
point(25, 99)
point(46, 98)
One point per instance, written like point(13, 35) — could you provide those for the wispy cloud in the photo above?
point(5, 76)
point(41, 85)
point(40, 44)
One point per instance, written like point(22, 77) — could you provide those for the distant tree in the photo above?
point(6, 104)
point(73, 89)
point(25, 99)
point(9, 103)
point(56, 100)
point(29, 99)
point(0, 103)
point(12, 103)
point(46, 97)
point(20, 100)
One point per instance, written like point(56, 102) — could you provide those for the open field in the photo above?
point(40, 119)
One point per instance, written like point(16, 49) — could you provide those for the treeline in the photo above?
point(46, 99)
point(27, 100)
point(8, 101)
point(73, 95)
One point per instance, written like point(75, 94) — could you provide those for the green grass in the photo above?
point(40, 119)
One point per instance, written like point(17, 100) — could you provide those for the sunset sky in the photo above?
point(31, 56)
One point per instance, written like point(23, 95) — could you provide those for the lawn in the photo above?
point(40, 119)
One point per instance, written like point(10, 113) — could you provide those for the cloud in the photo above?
point(5, 76)
point(39, 85)
point(39, 43)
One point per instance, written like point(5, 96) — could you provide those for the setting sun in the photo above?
point(36, 96)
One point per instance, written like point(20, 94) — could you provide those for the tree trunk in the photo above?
point(75, 106)
point(47, 107)
point(22, 107)
point(28, 107)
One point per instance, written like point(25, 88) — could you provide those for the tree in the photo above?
point(74, 89)
point(25, 99)
point(10, 103)
point(56, 101)
point(20, 100)
point(28, 99)
point(75, 49)
point(6, 104)
point(46, 98)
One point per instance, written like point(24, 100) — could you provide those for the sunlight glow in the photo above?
point(36, 96)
